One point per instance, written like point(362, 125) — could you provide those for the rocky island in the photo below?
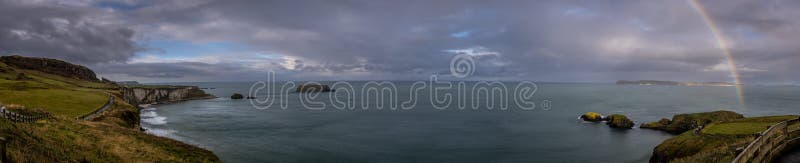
point(313, 88)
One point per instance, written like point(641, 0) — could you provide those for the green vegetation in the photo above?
point(592, 116)
point(619, 121)
point(110, 137)
point(52, 93)
point(63, 139)
point(745, 126)
point(717, 142)
point(684, 122)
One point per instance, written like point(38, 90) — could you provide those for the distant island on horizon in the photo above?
point(676, 83)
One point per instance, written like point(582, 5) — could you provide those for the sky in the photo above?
point(554, 41)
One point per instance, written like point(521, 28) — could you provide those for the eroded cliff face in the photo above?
point(155, 95)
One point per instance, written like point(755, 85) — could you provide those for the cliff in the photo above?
point(162, 94)
point(65, 91)
point(51, 66)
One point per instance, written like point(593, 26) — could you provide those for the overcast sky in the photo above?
point(560, 41)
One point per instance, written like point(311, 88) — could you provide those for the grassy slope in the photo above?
point(55, 94)
point(111, 137)
point(718, 141)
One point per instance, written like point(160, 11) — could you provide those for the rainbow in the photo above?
point(722, 45)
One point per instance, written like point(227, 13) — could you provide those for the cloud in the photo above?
point(590, 41)
point(65, 31)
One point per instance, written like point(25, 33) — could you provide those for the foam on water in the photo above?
point(150, 116)
point(160, 132)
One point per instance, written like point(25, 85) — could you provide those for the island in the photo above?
point(675, 83)
point(313, 88)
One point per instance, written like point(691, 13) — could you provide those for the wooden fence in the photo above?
point(19, 117)
point(768, 144)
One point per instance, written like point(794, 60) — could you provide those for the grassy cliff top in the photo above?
point(52, 93)
point(717, 142)
point(110, 137)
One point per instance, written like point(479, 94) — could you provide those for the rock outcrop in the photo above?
point(684, 122)
point(162, 94)
point(663, 123)
point(619, 121)
point(237, 96)
point(52, 66)
point(592, 117)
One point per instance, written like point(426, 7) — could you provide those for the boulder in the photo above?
point(592, 117)
point(237, 96)
point(619, 121)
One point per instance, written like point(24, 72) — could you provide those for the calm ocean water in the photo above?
point(237, 132)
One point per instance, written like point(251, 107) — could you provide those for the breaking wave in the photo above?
point(150, 117)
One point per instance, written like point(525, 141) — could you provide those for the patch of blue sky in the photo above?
point(577, 11)
point(748, 32)
point(462, 34)
point(118, 5)
point(187, 49)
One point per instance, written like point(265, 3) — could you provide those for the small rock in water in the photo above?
point(592, 117)
point(619, 121)
point(237, 96)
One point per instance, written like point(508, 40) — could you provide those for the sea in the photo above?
point(405, 121)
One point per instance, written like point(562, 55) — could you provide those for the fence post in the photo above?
point(3, 150)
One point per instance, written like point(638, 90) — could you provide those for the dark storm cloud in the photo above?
point(595, 41)
point(74, 33)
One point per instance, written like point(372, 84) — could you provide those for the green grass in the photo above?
point(62, 139)
point(741, 128)
point(718, 141)
point(52, 93)
point(110, 137)
point(745, 126)
point(57, 101)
